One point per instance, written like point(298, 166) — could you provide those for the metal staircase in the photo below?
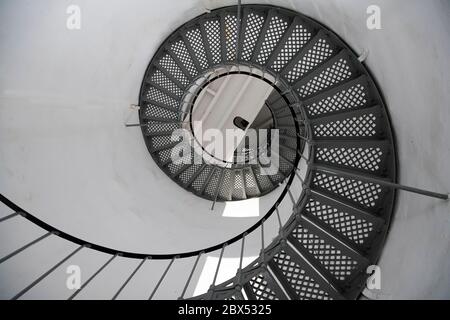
point(333, 125)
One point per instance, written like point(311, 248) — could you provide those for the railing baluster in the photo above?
point(238, 29)
point(217, 271)
point(12, 254)
point(262, 236)
point(129, 278)
point(92, 277)
point(161, 279)
point(279, 218)
point(35, 282)
point(9, 216)
point(190, 276)
point(242, 252)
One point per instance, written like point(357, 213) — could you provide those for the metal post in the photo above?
point(9, 216)
point(218, 265)
point(219, 183)
point(190, 276)
point(242, 252)
point(35, 282)
point(129, 278)
point(12, 254)
point(262, 236)
point(238, 29)
point(92, 277)
point(162, 278)
point(380, 182)
point(278, 216)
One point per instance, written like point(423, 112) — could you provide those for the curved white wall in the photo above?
point(66, 156)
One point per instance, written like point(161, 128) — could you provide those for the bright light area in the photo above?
point(241, 209)
point(227, 270)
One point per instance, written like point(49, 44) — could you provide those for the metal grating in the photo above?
point(317, 54)
point(361, 126)
point(303, 284)
point(163, 81)
point(332, 258)
point(299, 37)
point(231, 36)
point(151, 110)
point(277, 27)
point(180, 50)
point(352, 227)
point(365, 158)
point(261, 289)
point(156, 95)
point(212, 28)
point(338, 72)
point(195, 39)
point(168, 64)
point(363, 193)
point(353, 97)
point(254, 25)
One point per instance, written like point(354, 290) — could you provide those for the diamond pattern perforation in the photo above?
point(168, 64)
point(250, 184)
point(317, 54)
point(151, 110)
point(277, 27)
point(352, 227)
point(155, 127)
point(212, 28)
point(225, 189)
point(231, 36)
point(332, 258)
point(238, 186)
point(334, 74)
point(261, 289)
point(364, 193)
point(252, 31)
point(357, 126)
point(161, 79)
point(200, 180)
point(180, 50)
point(212, 185)
point(299, 37)
point(156, 95)
point(353, 97)
point(303, 284)
point(368, 158)
point(195, 39)
point(187, 174)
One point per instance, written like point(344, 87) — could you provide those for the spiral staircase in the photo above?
point(336, 146)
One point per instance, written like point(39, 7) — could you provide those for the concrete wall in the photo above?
point(66, 156)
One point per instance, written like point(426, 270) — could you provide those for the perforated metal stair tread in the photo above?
point(345, 220)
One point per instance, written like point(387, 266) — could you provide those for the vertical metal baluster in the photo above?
point(242, 252)
point(190, 275)
point(9, 216)
point(92, 277)
point(217, 271)
point(129, 278)
point(262, 236)
point(239, 272)
point(218, 265)
point(35, 282)
point(161, 279)
point(12, 254)
point(279, 218)
point(219, 184)
point(238, 29)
